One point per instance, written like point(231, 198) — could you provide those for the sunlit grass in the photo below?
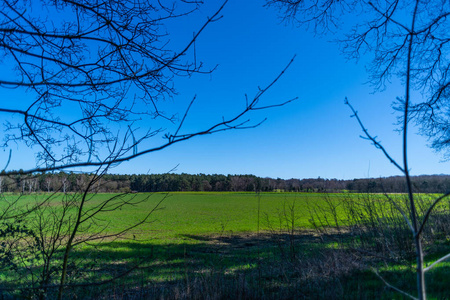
point(214, 236)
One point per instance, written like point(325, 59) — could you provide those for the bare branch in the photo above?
point(371, 138)
point(437, 262)
point(393, 287)
point(428, 213)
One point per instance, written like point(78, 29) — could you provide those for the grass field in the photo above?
point(182, 214)
point(241, 245)
point(200, 213)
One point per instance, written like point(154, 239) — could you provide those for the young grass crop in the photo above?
point(208, 243)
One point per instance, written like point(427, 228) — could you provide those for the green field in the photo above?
point(199, 213)
point(182, 214)
point(244, 245)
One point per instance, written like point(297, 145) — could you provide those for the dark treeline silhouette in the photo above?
point(396, 184)
point(68, 182)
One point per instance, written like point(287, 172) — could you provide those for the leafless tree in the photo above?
point(382, 30)
point(105, 62)
point(48, 183)
point(37, 244)
point(93, 73)
point(406, 40)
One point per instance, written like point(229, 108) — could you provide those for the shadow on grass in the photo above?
point(245, 266)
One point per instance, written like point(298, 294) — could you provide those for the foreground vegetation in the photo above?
point(243, 245)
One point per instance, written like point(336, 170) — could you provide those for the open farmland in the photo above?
point(197, 213)
point(209, 213)
point(244, 245)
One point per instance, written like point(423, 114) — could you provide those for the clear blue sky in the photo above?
point(311, 137)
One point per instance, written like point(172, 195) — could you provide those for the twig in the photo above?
point(393, 287)
point(371, 138)
point(436, 262)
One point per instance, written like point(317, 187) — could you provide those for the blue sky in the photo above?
point(311, 137)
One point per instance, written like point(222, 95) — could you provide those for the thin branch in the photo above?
point(373, 139)
point(428, 213)
point(393, 287)
point(436, 262)
point(389, 17)
point(225, 125)
point(8, 161)
point(401, 211)
point(185, 115)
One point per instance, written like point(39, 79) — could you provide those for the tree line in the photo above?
point(114, 183)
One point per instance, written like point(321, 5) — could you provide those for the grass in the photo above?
point(199, 245)
point(196, 213)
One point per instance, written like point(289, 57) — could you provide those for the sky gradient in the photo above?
point(309, 138)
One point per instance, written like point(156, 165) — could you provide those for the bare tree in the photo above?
point(407, 40)
point(48, 183)
point(394, 34)
point(107, 63)
point(37, 243)
point(93, 73)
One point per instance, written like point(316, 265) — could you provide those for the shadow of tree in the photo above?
point(244, 266)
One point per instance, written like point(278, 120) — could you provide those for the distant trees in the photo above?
point(114, 183)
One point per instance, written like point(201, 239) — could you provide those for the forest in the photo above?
point(144, 183)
